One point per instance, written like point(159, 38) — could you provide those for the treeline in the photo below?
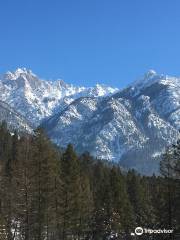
point(50, 194)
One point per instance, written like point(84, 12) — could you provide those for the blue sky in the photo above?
point(88, 41)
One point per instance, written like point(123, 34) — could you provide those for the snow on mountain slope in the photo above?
point(164, 92)
point(130, 126)
point(13, 119)
point(37, 99)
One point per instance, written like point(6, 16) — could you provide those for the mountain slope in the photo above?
point(37, 99)
point(132, 126)
point(13, 119)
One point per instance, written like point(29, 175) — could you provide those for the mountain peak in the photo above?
point(150, 74)
point(13, 75)
point(149, 78)
point(22, 70)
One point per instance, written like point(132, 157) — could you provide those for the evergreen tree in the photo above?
point(122, 212)
point(167, 170)
point(52, 196)
point(7, 190)
point(140, 199)
point(43, 175)
point(102, 201)
point(71, 193)
point(170, 170)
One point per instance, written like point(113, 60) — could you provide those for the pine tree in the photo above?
point(102, 201)
point(86, 206)
point(177, 184)
point(140, 199)
point(23, 185)
point(170, 170)
point(87, 202)
point(7, 190)
point(122, 214)
point(43, 175)
point(167, 170)
point(71, 193)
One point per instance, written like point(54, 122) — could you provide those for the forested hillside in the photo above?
point(50, 194)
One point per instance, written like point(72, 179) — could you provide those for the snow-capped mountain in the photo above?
point(37, 99)
point(132, 126)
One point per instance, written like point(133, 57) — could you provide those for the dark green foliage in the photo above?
point(53, 195)
point(171, 185)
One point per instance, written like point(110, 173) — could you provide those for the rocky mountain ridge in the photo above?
point(37, 99)
point(131, 126)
